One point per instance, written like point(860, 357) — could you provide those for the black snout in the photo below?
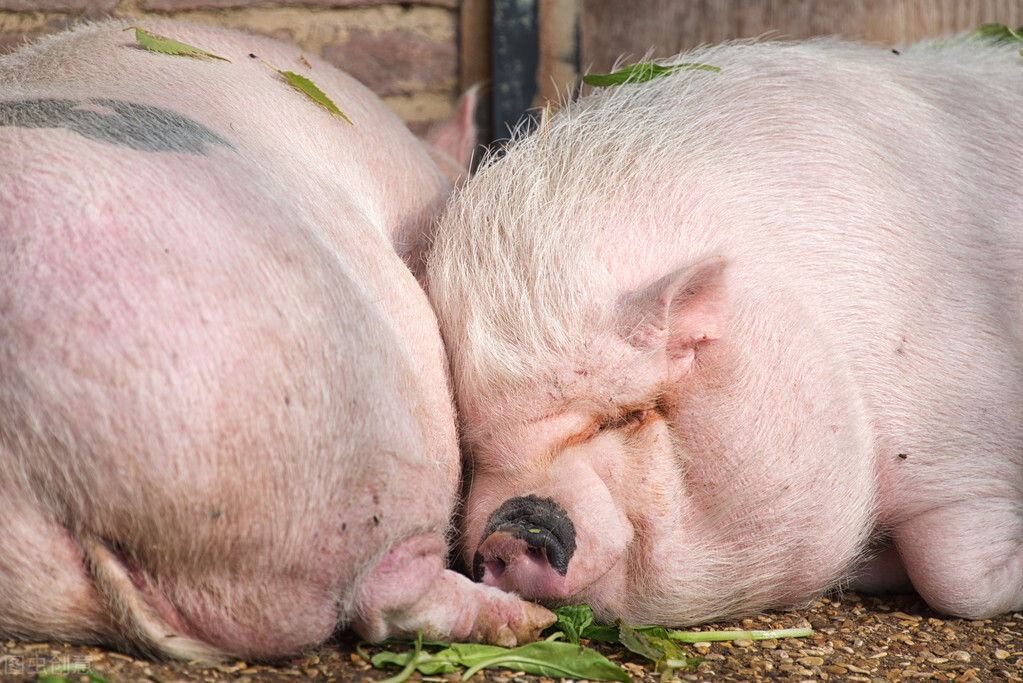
point(540, 522)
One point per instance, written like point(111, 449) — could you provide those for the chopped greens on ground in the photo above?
point(562, 654)
point(68, 673)
point(641, 73)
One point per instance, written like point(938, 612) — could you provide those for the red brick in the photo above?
point(86, 7)
point(15, 39)
point(12, 41)
point(397, 63)
point(185, 5)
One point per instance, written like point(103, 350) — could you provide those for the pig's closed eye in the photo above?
point(625, 422)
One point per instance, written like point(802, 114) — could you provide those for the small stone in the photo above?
point(1001, 654)
point(810, 661)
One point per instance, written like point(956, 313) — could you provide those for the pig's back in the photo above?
point(223, 392)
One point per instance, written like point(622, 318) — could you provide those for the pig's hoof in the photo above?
point(524, 627)
point(505, 637)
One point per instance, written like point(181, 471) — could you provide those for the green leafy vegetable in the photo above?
point(52, 674)
point(714, 636)
point(997, 33)
point(410, 666)
point(157, 43)
point(641, 73)
point(573, 620)
point(311, 91)
point(569, 658)
point(555, 659)
point(656, 646)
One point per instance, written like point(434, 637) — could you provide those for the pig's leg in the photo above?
point(409, 591)
point(45, 590)
point(966, 559)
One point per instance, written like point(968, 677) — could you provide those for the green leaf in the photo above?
point(641, 73)
point(709, 636)
point(51, 674)
point(572, 621)
point(605, 634)
point(410, 666)
point(311, 91)
point(996, 33)
point(555, 659)
point(157, 43)
point(636, 642)
point(428, 664)
point(654, 644)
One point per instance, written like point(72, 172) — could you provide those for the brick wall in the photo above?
point(406, 52)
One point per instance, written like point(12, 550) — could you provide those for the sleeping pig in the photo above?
point(727, 339)
point(225, 418)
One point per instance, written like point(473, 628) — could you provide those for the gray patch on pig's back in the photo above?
point(128, 124)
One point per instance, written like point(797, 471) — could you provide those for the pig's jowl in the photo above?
point(750, 335)
point(225, 419)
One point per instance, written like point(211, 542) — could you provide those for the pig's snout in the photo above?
point(526, 548)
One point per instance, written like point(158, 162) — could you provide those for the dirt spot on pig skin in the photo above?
point(127, 124)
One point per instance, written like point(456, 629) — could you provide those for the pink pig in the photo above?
point(722, 341)
point(226, 426)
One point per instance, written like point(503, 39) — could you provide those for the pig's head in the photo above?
point(577, 482)
point(618, 381)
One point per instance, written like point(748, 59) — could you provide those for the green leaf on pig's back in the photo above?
point(641, 73)
point(996, 33)
point(168, 46)
point(309, 89)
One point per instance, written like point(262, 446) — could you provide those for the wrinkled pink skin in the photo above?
point(226, 421)
point(757, 332)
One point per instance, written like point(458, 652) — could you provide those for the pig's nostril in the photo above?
point(495, 567)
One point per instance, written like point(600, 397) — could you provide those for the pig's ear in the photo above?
point(452, 142)
point(678, 312)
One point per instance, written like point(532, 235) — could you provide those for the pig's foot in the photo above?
point(966, 559)
point(409, 591)
point(45, 590)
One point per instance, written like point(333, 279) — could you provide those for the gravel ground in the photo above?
point(855, 638)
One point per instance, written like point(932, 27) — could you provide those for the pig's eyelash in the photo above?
point(626, 421)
